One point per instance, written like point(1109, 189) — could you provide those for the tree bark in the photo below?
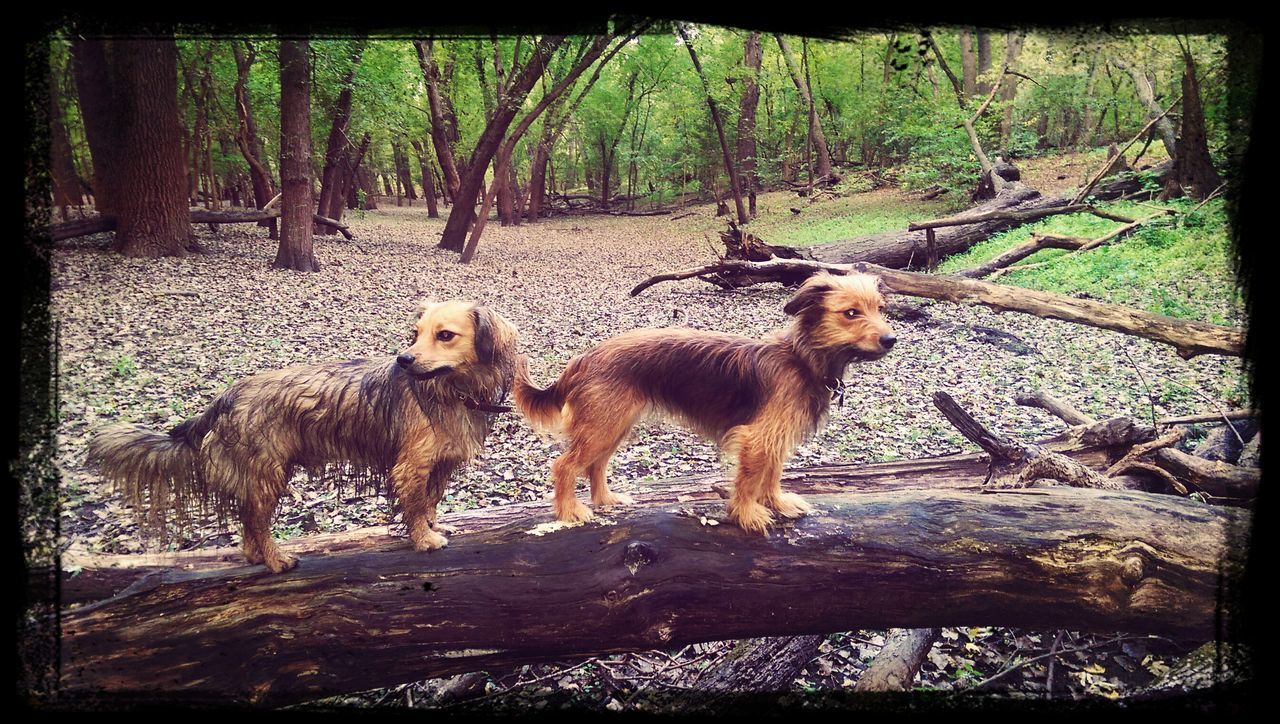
point(968, 65)
point(151, 206)
point(743, 218)
point(1193, 170)
point(247, 134)
point(895, 667)
point(338, 146)
point(506, 595)
point(1148, 97)
point(471, 183)
point(443, 131)
point(98, 109)
point(750, 179)
point(296, 249)
point(62, 167)
point(816, 136)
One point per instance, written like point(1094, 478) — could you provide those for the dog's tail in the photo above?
point(540, 407)
point(160, 474)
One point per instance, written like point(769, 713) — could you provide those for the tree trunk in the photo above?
point(428, 186)
point(498, 596)
point(1193, 170)
point(471, 183)
point(984, 60)
point(743, 218)
point(62, 167)
point(296, 251)
point(247, 135)
point(818, 139)
point(895, 667)
point(968, 64)
point(442, 128)
point(1009, 84)
point(151, 206)
point(750, 179)
point(98, 109)
point(1148, 97)
point(338, 145)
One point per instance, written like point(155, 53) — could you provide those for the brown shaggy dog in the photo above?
point(758, 399)
point(416, 417)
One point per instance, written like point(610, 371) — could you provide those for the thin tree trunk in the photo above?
point(442, 130)
point(62, 169)
point(816, 137)
point(743, 218)
point(750, 179)
point(1009, 84)
point(1148, 97)
point(338, 145)
point(296, 250)
point(428, 186)
point(98, 109)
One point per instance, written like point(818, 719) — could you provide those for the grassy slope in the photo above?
point(1178, 266)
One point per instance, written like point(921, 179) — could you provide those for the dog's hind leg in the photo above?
point(256, 512)
point(598, 469)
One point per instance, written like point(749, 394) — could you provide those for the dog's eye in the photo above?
point(445, 335)
point(852, 313)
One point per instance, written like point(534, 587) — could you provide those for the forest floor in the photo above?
point(153, 342)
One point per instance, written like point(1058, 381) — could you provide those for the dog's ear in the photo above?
point(811, 293)
point(486, 333)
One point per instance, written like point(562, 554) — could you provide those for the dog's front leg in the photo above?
point(436, 483)
point(418, 505)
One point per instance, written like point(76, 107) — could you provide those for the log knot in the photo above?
point(638, 554)
point(1133, 570)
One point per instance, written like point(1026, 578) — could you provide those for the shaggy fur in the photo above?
point(413, 418)
point(758, 399)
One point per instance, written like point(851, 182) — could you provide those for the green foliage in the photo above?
point(124, 367)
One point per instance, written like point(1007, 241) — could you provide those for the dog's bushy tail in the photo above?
point(159, 474)
point(540, 407)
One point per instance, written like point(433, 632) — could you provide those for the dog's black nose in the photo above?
point(887, 340)
point(405, 359)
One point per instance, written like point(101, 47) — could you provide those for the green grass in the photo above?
point(855, 214)
point(1178, 266)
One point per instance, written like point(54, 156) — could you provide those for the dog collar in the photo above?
point(836, 385)
point(471, 404)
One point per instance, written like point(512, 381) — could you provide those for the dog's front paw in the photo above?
point(444, 527)
point(280, 562)
point(575, 513)
point(752, 517)
point(614, 499)
point(430, 541)
point(790, 505)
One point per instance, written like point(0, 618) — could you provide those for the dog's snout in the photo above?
point(405, 359)
point(888, 340)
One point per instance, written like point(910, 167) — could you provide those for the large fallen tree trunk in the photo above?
point(99, 224)
point(1187, 337)
point(90, 577)
point(654, 577)
point(1016, 204)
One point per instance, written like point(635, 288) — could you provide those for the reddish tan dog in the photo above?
point(758, 399)
point(415, 418)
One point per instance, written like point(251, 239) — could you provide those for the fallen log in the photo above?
point(1055, 407)
point(1218, 479)
point(91, 577)
point(753, 665)
point(657, 577)
point(1187, 337)
point(895, 667)
point(99, 224)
